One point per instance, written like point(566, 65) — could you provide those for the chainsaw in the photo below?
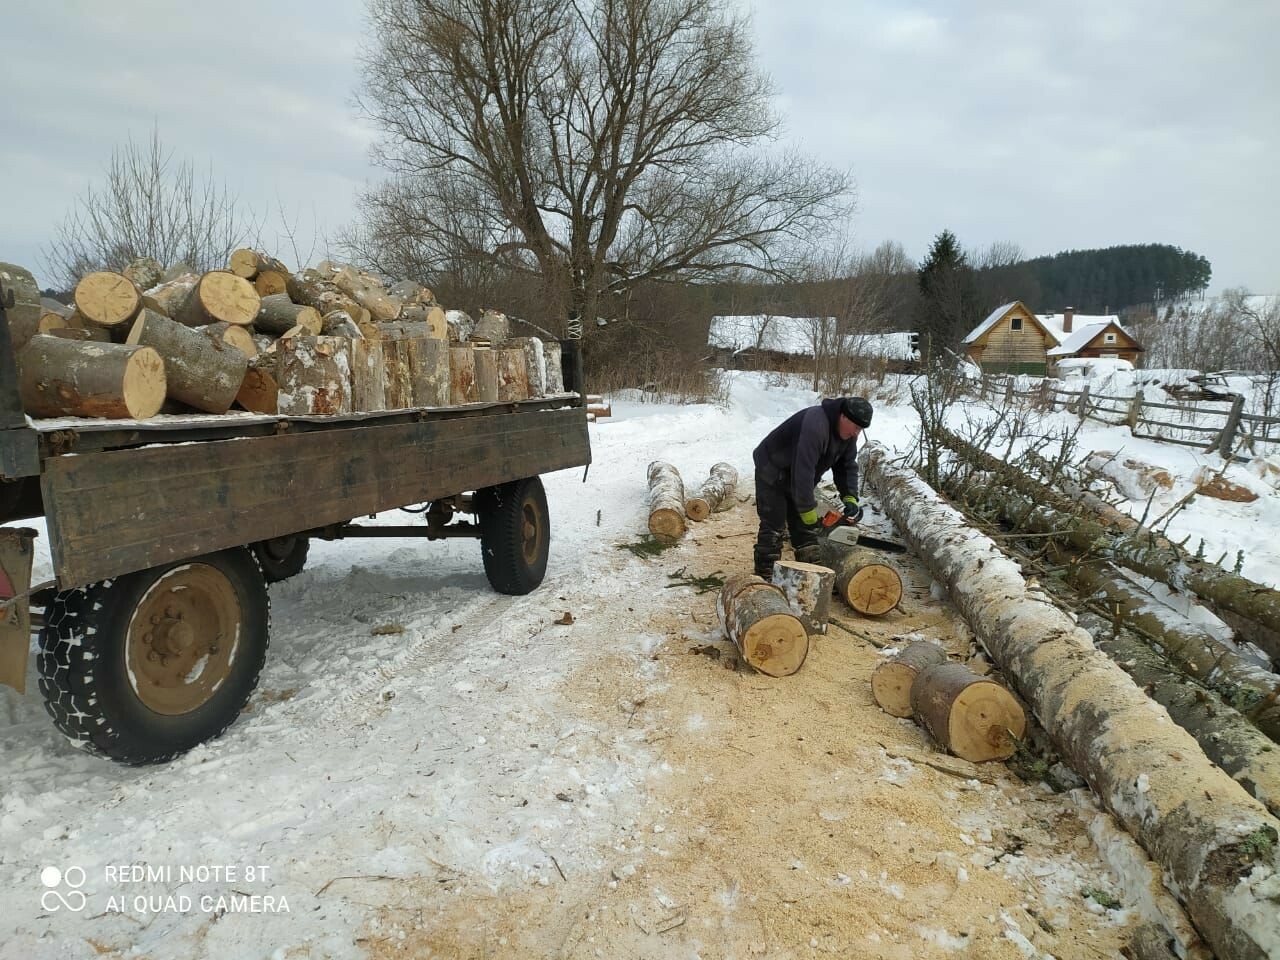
point(835, 528)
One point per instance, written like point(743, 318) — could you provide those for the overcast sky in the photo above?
point(1054, 126)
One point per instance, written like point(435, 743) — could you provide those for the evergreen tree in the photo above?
point(948, 296)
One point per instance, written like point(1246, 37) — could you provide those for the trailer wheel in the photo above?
point(144, 667)
point(283, 557)
point(515, 534)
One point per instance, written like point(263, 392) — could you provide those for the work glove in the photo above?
point(852, 512)
point(809, 518)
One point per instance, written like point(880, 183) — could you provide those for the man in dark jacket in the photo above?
point(789, 463)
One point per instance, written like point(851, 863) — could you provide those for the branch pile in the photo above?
point(326, 340)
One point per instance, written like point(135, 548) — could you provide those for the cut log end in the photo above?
point(874, 589)
point(697, 509)
point(666, 525)
point(973, 717)
point(775, 645)
point(891, 681)
point(107, 299)
point(144, 384)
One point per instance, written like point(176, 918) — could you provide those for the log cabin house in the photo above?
point(1015, 340)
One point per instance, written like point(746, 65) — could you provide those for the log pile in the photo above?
point(258, 337)
point(1216, 844)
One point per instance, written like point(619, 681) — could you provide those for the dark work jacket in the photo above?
point(802, 448)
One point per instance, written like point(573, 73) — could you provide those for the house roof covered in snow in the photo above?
point(1084, 327)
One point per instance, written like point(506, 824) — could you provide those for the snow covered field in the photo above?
point(430, 769)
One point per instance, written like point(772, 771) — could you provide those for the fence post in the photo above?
point(1046, 395)
point(1008, 392)
point(1135, 411)
point(1233, 424)
point(1083, 408)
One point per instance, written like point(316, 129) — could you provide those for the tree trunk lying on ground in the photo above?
point(891, 681)
point(1139, 551)
point(1226, 737)
point(1243, 683)
point(666, 502)
point(69, 378)
point(716, 493)
point(756, 617)
point(863, 580)
point(971, 716)
point(808, 589)
point(1216, 843)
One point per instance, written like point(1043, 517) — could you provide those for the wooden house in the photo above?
point(1015, 340)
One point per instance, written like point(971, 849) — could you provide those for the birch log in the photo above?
point(462, 376)
point(808, 589)
point(666, 502)
point(61, 378)
point(715, 494)
point(555, 369)
point(314, 374)
point(486, 375)
point(971, 716)
point(1217, 844)
point(891, 681)
point(755, 616)
point(863, 580)
point(201, 371)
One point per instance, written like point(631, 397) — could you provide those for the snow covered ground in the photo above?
point(424, 758)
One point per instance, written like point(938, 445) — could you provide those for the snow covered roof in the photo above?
point(1084, 327)
point(790, 335)
point(795, 337)
point(992, 319)
point(1078, 338)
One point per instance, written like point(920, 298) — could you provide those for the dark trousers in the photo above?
point(778, 517)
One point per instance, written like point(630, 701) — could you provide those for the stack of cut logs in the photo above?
point(329, 340)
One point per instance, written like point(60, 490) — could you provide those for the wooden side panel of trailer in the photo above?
point(118, 511)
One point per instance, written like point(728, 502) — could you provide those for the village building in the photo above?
point(1014, 340)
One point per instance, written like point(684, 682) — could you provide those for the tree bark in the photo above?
point(430, 314)
point(1207, 833)
point(1227, 738)
point(891, 681)
point(666, 502)
point(513, 375)
point(429, 371)
point(201, 371)
point(314, 374)
point(535, 362)
point(462, 376)
point(808, 589)
point(108, 299)
point(169, 296)
point(70, 378)
point(339, 323)
point(368, 375)
point(367, 291)
point(397, 360)
point(863, 580)
point(715, 494)
point(971, 716)
point(260, 391)
point(144, 272)
point(248, 264)
point(24, 315)
point(492, 327)
point(555, 371)
point(219, 296)
point(755, 616)
point(277, 313)
point(486, 375)
point(310, 288)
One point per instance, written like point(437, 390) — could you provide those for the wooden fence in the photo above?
point(1221, 425)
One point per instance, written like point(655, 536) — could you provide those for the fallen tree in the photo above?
point(1216, 843)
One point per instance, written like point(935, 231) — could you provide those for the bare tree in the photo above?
point(148, 205)
point(590, 145)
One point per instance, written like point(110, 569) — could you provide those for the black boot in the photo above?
point(766, 557)
point(809, 553)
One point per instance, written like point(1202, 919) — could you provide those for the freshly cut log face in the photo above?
point(108, 299)
point(203, 372)
point(238, 337)
point(891, 681)
point(973, 717)
point(863, 580)
point(220, 297)
point(755, 616)
point(808, 588)
point(271, 282)
point(666, 502)
point(248, 263)
point(59, 378)
point(716, 493)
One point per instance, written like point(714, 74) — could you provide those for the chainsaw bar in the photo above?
point(849, 536)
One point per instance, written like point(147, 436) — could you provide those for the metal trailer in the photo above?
point(164, 535)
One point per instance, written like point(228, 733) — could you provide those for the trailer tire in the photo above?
point(283, 557)
point(515, 534)
point(105, 649)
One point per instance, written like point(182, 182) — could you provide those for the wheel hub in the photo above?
point(183, 638)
